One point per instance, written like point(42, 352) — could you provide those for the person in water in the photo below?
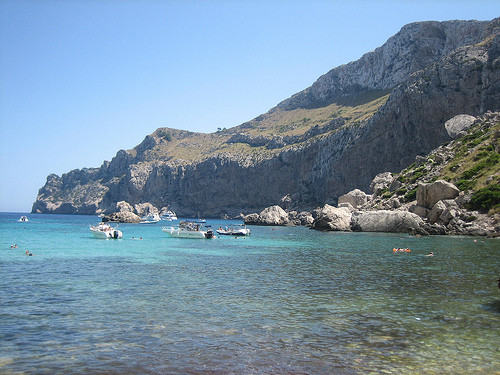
point(431, 254)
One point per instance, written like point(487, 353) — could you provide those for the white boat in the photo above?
point(23, 218)
point(169, 216)
point(189, 229)
point(241, 230)
point(150, 219)
point(104, 230)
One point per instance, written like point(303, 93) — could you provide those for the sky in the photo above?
point(82, 79)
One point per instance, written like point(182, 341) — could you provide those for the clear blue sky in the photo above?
point(82, 79)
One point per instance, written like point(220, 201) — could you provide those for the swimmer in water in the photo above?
point(431, 254)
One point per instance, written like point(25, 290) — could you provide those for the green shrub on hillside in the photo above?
point(418, 174)
point(165, 134)
point(466, 184)
point(411, 195)
point(485, 198)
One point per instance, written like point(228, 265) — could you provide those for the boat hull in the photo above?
point(189, 229)
point(169, 216)
point(113, 234)
point(240, 231)
point(182, 233)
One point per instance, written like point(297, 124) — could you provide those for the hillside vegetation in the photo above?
point(183, 147)
point(471, 162)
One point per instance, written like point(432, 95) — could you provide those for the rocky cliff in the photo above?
point(455, 189)
point(369, 116)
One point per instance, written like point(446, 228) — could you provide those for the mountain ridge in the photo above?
point(312, 150)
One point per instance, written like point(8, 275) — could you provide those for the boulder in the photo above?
point(347, 205)
point(123, 206)
point(457, 126)
point(420, 211)
point(333, 218)
point(305, 218)
point(385, 221)
point(395, 185)
point(381, 182)
point(429, 194)
point(252, 219)
point(356, 198)
point(448, 215)
point(436, 212)
point(273, 215)
point(434, 229)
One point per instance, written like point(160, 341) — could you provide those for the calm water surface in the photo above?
point(283, 301)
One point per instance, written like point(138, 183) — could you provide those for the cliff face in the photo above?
point(431, 70)
point(414, 48)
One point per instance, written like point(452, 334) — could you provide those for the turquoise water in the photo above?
point(283, 301)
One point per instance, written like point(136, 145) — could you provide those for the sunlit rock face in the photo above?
point(433, 71)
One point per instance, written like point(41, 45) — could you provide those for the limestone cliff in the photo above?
point(369, 116)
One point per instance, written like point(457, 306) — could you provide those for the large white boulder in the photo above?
point(385, 221)
point(273, 215)
point(457, 126)
point(429, 194)
point(356, 198)
point(333, 218)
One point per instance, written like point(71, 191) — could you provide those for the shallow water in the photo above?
point(282, 301)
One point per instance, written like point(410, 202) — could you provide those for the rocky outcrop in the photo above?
point(274, 215)
point(356, 198)
point(303, 218)
point(417, 201)
point(385, 221)
point(122, 217)
point(429, 194)
point(433, 72)
point(381, 182)
point(414, 48)
point(457, 126)
point(333, 218)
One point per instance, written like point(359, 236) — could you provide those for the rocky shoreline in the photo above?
point(440, 209)
point(422, 199)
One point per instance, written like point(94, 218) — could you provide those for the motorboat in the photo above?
point(23, 218)
point(104, 230)
point(240, 230)
point(189, 229)
point(169, 216)
point(150, 219)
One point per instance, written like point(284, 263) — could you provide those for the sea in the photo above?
point(285, 300)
